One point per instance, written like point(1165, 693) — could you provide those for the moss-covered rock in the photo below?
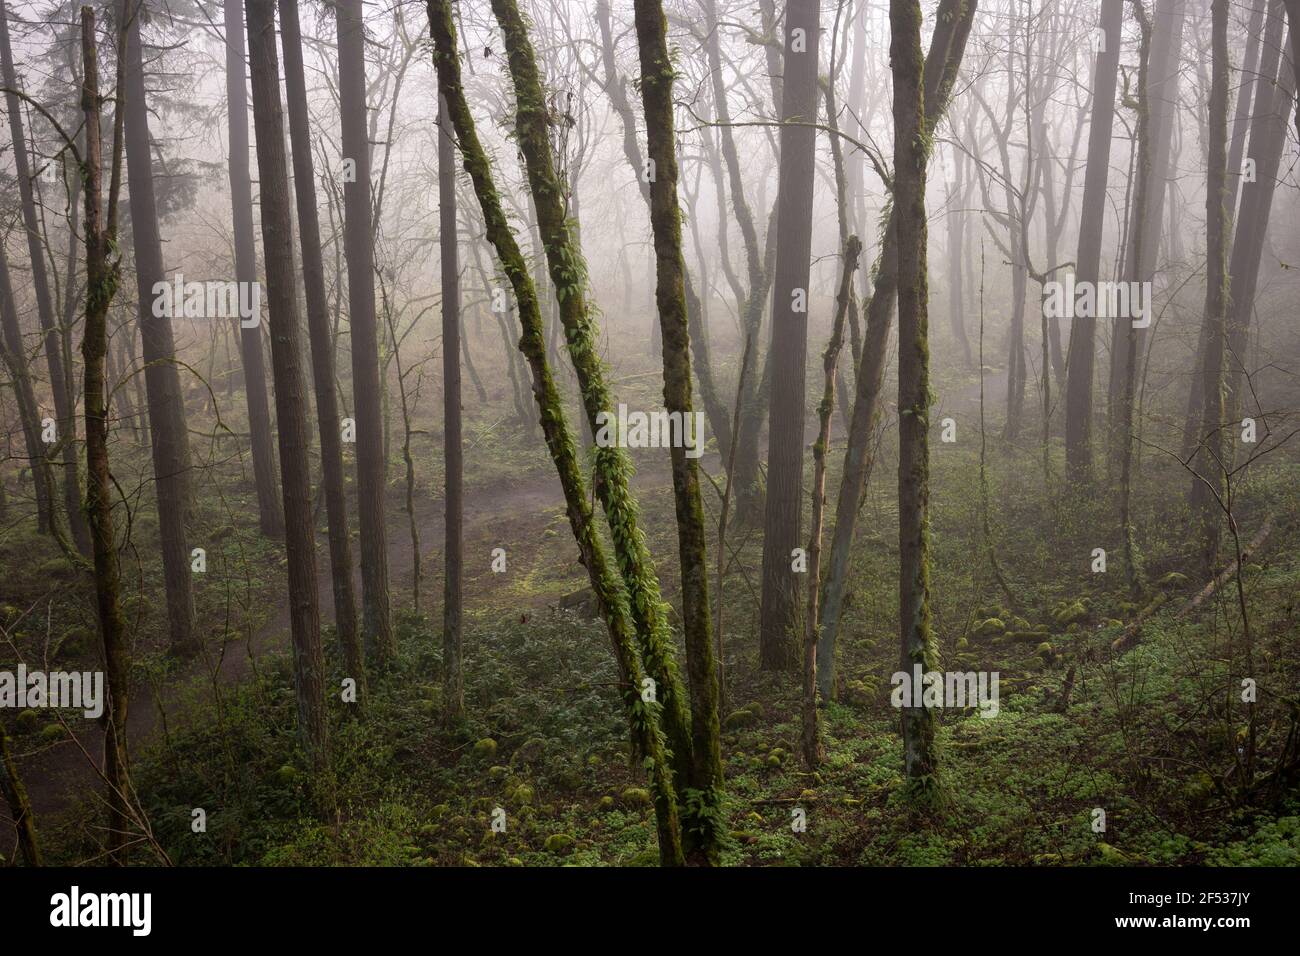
point(485, 748)
point(636, 797)
point(989, 627)
point(559, 843)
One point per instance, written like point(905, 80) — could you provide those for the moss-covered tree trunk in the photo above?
point(705, 779)
point(102, 277)
point(643, 716)
point(947, 46)
point(911, 153)
point(568, 271)
point(20, 808)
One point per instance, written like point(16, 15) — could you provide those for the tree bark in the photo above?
point(1083, 329)
point(453, 454)
point(367, 398)
point(643, 716)
point(322, 349)
point(167, 418)
point(947, 46)
point(788, 355)
point(670, 294)
point(102, 277)
point(29, 413)
point(290, 400)
point(51, 338)
point(1208, 463)
point(270, 516)
point(911, 154)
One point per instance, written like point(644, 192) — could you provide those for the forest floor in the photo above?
point(1150, 737)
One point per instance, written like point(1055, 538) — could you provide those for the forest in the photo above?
point(711, 433)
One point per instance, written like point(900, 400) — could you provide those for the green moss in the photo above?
point(485, 748)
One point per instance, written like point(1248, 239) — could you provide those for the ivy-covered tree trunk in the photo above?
point(290, 400)
point(705, 824)
point(322, 349)
point(911, 153)
point(947, 46)
point(643, 715)
point(568, 271)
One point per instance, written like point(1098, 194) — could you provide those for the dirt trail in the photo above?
point(58, 774)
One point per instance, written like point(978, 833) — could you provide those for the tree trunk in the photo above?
point(1083, 329)
point(29, 413)
point(670, 293)
point(322, 349)
point(569, 274)
point(1273, 105)
point(1161, 92)
point(20, 808)
point(610, 593)
point(788, 355)
point(102, 278)
point(1208, 464)
point(947, 46)
point(290, 398)
point(167, 418)
point(453, 677)
point(910, 156)
point(270, 517)
point(64, 409)
point(367, 397)
point(813, 752)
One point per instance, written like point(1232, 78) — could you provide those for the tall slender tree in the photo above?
point(643, 716)
point(1083, 328)
point(670, 296)
point(167, 418)
point(102, 277)
point(1208, 463)
point(790, 293)
point(270, 515)
point(290, 397)
point(51, 336)
point(322, 347)
point(453, 454)
point(910, 158)
point(947, 47)
point(358, 242)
